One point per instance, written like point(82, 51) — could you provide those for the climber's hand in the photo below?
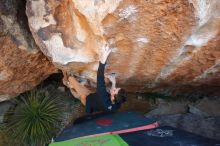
point(66, 80)
point(105, 51)
point(111, 77)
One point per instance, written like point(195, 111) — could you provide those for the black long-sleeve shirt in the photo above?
point(100, 100)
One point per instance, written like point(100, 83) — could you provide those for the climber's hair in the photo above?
point(121, 96)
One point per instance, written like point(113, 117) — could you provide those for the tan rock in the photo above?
point(22, 65)
point(170, 46)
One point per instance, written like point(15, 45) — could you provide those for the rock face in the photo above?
point(204, 126)
point(201, 117)
point(22, 65)
point(169, 46)
point(169, 108)
point(206, 107)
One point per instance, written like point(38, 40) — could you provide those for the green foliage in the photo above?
point(35, 118)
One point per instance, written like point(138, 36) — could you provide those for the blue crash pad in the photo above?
point(166, 136)
point(102, 123)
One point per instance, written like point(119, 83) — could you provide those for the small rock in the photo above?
point(160, 101)
point(61, 89)
point(139, 97)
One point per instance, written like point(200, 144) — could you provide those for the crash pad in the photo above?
point(103, 140)
point(113, 123)
point(166, 136)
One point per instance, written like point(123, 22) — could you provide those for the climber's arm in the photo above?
point(101, 88)
point(112, 79)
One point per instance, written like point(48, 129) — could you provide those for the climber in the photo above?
point(101, 100)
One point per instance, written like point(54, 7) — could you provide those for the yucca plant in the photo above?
point(35, 119)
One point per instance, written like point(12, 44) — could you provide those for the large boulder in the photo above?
point(169, 46)
point(22, 64)
point(169, 108)
point(204, 126)
point(206, 107)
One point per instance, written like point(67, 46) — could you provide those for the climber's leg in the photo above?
point(80, 90)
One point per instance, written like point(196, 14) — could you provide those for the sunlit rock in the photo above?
point(22, 65)
point(169, 46)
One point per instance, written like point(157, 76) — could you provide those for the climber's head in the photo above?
point(118, 95)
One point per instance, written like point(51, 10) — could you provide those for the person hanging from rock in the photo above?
point(101, 100)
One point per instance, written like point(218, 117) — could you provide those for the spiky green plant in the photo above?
point(35, 118)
